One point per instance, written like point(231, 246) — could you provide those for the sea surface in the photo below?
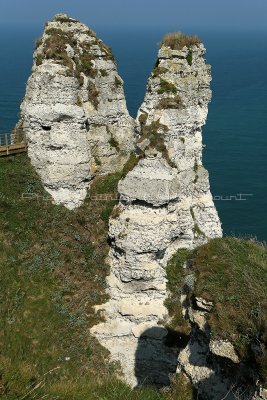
point(236, 131)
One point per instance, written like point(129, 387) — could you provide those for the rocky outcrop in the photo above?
point(213, 366)
point(74, 112)
point(165, 204)
point(171, 117)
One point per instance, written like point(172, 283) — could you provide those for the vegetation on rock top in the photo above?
point(178, 40)
point(82, 63)
point(64, 18)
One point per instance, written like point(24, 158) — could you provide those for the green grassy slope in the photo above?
point(52, 273)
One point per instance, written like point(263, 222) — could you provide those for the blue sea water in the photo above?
point(236, 130)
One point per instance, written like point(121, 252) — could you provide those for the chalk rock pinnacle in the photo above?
point(165, 204)
point(74, 112)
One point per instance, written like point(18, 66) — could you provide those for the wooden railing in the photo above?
point(8, 148)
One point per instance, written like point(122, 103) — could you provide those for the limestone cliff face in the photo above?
point(74, 112)
point(165, 204)
point(171, 117)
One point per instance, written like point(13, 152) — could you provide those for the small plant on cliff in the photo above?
point(170, 103)
point(166, 87)
point(197, 231)
point(143, 118)
point(130, 164)
point(189, 57)
point(157, 71)
point(176, 274)
point(103, 72)
point(87, 66)
point(39, 59)
point(177, 40)
point(118, 82)
point(38, 42)
point(93, 94)
point(116, 212)
point(114, 143)
point(155, 134)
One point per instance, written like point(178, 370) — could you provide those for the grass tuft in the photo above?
point(87, 66)
point(117, 82)
point(157, 71)
point(177, 41)
point(166, 87)
point(155, 134)
point(176, 274)
point(114, 143)
point(93, 94)
point(174, 103)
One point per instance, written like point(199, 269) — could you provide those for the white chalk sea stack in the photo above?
point(165, 204)
point(74, 112)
